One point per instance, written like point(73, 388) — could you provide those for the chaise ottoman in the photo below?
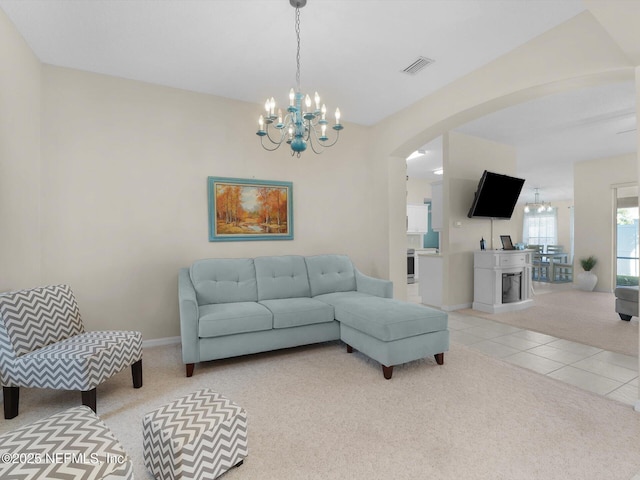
point(73, 445)
point(392, 332)
point(201, 435)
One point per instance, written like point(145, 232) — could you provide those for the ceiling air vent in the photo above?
point(418, 65)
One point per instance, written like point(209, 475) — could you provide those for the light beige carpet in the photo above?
point(583, 317)
point(319, 413)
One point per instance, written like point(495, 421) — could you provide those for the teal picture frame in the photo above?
point(243, 209)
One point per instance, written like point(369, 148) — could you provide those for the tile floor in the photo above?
point(599, 371)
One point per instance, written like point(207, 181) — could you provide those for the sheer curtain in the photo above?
point(540, 228)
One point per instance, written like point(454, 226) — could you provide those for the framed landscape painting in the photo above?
point(248, 209)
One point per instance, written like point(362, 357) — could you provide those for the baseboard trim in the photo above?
point(451, 308)
point(160, 342)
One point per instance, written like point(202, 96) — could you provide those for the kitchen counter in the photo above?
point(430, 273)
point(428, 253)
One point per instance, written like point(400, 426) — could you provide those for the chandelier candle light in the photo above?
point(299, 128)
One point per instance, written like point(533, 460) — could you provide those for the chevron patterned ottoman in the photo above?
point(201, 435)
point(72, 445)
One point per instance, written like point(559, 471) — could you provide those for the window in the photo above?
point(540, 228)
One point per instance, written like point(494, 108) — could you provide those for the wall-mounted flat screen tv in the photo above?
point(496, 196)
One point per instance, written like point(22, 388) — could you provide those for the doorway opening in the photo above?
point(627, 244)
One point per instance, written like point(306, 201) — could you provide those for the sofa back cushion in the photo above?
point(330, 274)
point(282, 277)
point(224, 280)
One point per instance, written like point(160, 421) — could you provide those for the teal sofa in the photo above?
point(239, 306)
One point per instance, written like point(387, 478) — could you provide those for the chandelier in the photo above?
point(303, 125)
point(537, 205)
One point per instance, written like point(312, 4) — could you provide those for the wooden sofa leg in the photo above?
point(349, 348)
point(625, 317)
point(89, 399)
point(136, 374)
point(190, 369)
point(387, 371)
point(439, 358)
point(11, 397)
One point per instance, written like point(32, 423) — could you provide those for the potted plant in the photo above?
point(587, 280)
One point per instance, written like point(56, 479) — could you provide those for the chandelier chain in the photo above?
point(298, 51)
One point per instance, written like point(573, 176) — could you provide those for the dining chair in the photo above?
point(536, 248)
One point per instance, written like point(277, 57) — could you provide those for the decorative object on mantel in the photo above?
point(299, 128)
point(587, 280)
point(249, 209)
point(537, 205)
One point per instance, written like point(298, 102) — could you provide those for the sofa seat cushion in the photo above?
point(230, 318)
point(387, 319)
point(627, 293)
point(337, 298)
point(295, 312)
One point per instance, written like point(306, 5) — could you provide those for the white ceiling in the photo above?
point(353, 52)
point(550, 134)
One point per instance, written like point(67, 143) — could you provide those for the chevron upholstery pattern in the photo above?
point(78, 363)
point(43, 344)
point(201, 435)
point(37, 317)
point(72, 445)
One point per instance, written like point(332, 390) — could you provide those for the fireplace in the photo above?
point(511, 287)
point(411, 265)
point(502, 280)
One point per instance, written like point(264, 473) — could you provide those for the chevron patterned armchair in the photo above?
point(43, 345)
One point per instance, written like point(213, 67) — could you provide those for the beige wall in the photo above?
point(594, 212)
point(20, 78)
point(465, 159)
point(564, 209)
point(125, 193)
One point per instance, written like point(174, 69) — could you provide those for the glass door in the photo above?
point(626, 235)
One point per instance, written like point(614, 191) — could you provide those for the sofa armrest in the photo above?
point(373, 286)
point(189, 315)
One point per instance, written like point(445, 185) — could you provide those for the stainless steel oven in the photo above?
point(411, 265)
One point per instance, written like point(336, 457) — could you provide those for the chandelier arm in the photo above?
point(317, 152)
point(313, 126)
point(268, 135)
point(310, 140)
point(327, 145)
point(277, 145)
point(313, 145)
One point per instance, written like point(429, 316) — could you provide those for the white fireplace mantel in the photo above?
point(489, 267)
